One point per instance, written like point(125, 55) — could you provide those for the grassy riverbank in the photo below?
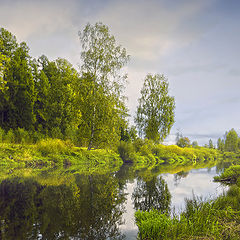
point(143, 154)
point(54, 152)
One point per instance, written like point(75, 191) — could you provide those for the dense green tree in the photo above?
point(194, 144)
point(8, 43)
point(55, 106)
point(210, 144)
point(101, 100)
point(18, 98)
point(220, 144)
point(231, 142)
point(155, 112)
point(42, 87)
point(183, 142)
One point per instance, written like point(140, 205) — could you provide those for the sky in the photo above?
point(194, 43)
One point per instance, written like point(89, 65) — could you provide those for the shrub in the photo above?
point(138, 143)
point(126, 151)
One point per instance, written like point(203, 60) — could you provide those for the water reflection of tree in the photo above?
point(152, 194)
point(91, 208)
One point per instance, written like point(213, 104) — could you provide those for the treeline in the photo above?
point(229, 143)
point(52, 99)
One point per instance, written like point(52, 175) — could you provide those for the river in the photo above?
point(62, 204)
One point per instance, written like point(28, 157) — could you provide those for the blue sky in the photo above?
point(195, 43)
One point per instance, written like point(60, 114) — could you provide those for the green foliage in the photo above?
point(152, 224)
point(36, 136)
point(155, 112)
point(194, 144)
point(210, 144)
point(55, 100)
point(21, 136)
point(230, 175)
point(56, 133)
point(231, 142)
point(220, 144)
point(138, 143)
point(9, 137)
point(55, 108)
point(183, 142)
point(19, 97)
point(200, 220)
point(2, 132)
point(213, 219)
point(101, 101)
point(126, 151)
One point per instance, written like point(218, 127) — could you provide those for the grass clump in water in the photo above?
point(200, 220)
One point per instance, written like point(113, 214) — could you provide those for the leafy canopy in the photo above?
point(101, 90)
point(155, 111)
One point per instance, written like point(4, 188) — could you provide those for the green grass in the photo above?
point(200, 220)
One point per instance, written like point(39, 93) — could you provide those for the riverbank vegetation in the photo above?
point(20, 150)
point(202, 219)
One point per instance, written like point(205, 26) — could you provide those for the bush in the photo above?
point(138, 143)
point(126, 151)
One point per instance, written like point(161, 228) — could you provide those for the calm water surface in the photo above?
point(67, 205)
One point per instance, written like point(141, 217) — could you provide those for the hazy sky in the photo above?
point(194, 43)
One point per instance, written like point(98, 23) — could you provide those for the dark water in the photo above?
point(52, 205)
